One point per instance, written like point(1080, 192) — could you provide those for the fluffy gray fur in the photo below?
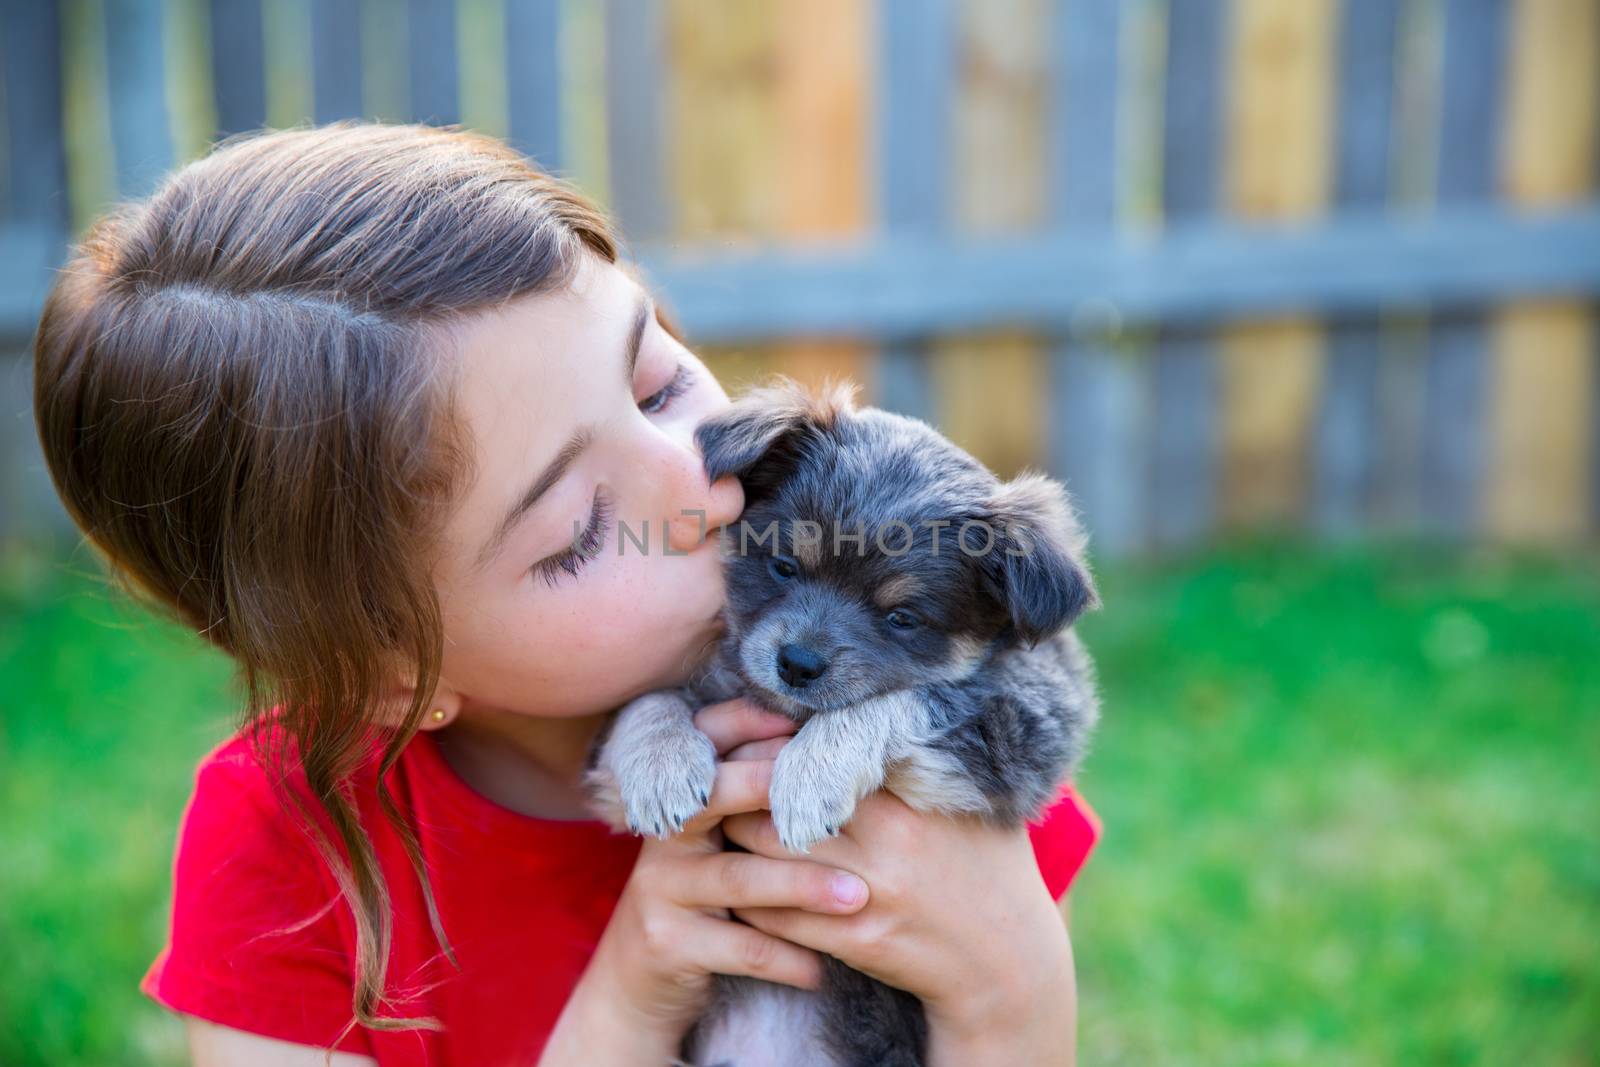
point(980, 706)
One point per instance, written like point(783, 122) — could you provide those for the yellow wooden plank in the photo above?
point(91, 166)
point(583, 117)
point(992, 389)
point(823, 98)
point(1543, 422)
point(814, 361)
point(1279, 144)
point(1539, 482)
point(722, 139)
point(485, 105)
point(1280, 108)
point(187, 78)
point(723, 129)
point(1270, 376)
point(385, 78)
point(737, 367)
point(1550, 132)
point(286, 36)
point(1001, 114)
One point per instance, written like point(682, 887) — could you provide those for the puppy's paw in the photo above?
point(605, 798)
point(666, 783)
point(809, 802)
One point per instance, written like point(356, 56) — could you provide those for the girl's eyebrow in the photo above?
point(569, 452)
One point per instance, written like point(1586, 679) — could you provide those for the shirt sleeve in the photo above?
point(241, 872)
point(1063, 836)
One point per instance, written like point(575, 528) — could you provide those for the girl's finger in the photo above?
point(767, 749)
point(802, 928)
point(733, 722)
point(756, 831)
point(743, 880)
point(740, 785)
point(727, 947)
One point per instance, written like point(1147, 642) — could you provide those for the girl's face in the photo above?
point(580, 568)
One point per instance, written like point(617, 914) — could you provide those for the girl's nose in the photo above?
point(722, 503)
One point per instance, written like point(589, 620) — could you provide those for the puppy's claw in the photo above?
point(660, 785)
point(809, 803)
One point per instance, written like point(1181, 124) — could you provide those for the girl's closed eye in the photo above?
point(586, 544)
point(680, 382)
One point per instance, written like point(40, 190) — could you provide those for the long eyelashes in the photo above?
point(588, 543)
point(676, 386)
point(585, 546)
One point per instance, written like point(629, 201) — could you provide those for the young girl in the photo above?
point(338, 399)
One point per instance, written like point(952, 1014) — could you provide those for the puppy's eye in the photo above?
point(901, 619)
point(782, 568)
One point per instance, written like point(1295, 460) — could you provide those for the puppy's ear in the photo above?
point(1037, 569)
point(767, 426)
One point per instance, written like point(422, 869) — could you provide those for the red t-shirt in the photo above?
point(523, 900)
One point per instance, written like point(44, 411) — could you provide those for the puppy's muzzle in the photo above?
point(798, 666)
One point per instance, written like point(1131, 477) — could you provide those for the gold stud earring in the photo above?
point(438, 715)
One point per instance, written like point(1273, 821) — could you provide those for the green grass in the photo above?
point(1350, 804)
point(1351, 813)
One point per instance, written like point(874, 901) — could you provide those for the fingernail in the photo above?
point(848, 889)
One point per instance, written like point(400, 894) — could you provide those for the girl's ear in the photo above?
point(1036, 568)
point(767, 426)
point(394, 702)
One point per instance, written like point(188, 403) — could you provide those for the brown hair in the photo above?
point(241, 406)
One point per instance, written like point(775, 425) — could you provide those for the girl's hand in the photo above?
point(671, 929)
point(959, 916)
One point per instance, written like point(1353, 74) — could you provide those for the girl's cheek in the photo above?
point(631, 613)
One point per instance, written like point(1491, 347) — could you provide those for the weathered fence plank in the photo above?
point(722, 111)
point(435, 85)
point(908, 287)
point(822, 91)
point(1453, 408)
point(915, 102)
point(36, 211)
point(533, 80)
point(1346, 451)
point(1403, 362)
point(336, 60)
point(33, 227)
point(723, 138)
point(1183, 482)
point(141, 134)
point(990, 389)
point(1097, 392)
point(1280, 110)
point(635, 36)
point(36, 162)
point(238, 65)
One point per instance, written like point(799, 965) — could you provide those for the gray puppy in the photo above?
point(909, 610)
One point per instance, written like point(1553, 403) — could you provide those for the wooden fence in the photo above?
point(1221, 265)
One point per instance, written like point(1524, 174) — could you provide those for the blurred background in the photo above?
point(1297, 295)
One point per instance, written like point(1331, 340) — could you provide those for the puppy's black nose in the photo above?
point(799, 666)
